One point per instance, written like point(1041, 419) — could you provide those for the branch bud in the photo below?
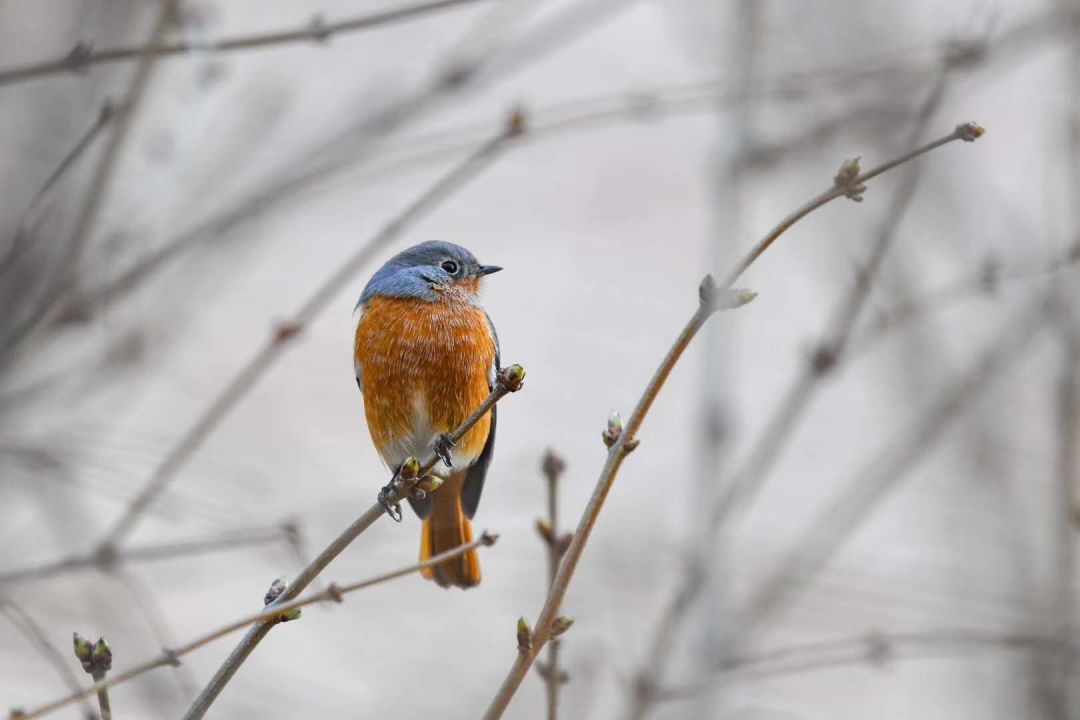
point(846, 179)
point(513, 377)
point(560, 625)
point(515, 124)
point(84, 651)
point(707, 290)
point(275, 590)
point(614, 429)
point(410, 468)
point(101, 656)
point(524, 635)
point(553, 465)
point(489, 538)
point(543, 527)
point(430, 483)
point(736, 298)
point(970, 132)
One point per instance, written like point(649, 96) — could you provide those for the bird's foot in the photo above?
point(442, 449)
point(392, 509)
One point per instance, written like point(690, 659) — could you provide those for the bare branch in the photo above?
point(509, 380)
point(553, 466)
point(270, 615)
point(147, 553)
point(33, 632)
point(316, 30)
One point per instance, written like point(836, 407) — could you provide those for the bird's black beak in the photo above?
point(488, 269)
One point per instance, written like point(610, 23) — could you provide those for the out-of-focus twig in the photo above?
point(983, 282)
point(24, 231)
point(177, 458)
point(317, 30)
point(33, 632)
point(885, 471)
point(97, 191)
point(553, 467)
point(412, 471)
point(157, 551)
point(272, 614)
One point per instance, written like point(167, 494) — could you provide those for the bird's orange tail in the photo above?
point(445, 529)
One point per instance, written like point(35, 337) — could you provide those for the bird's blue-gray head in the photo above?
point(428, 271)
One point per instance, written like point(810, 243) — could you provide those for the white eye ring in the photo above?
point(450, 267)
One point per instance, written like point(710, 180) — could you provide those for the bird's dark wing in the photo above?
point(474, 478)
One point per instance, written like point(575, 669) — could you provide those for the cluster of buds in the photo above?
point(847, 179)
point(614, 431)
point(547, 534)
point(277, 588)
point(96, 657)
point(512, 378)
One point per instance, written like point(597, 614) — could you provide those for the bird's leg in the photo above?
point(392, 509)
point(442, 448)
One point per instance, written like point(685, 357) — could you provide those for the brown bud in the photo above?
point(560, 625)
point(553, 465)
point(524, 635)
point(543, 527)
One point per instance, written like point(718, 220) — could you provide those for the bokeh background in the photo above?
point(907, 548)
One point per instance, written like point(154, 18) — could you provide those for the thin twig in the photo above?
point(33, 632)
point(315, 31)
point(97, 192)
point(870, 486)
point(553, 467)
point(509, 380)
point(272, 614)
point(24, 231)
point(147, 553)
point(180, 454)
point(852, 185)
point(542, 632)
point(621, 446)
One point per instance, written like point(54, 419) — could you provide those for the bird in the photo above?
point(426, 355)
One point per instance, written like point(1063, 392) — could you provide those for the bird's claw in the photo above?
point(442, 449)
point(392, 509)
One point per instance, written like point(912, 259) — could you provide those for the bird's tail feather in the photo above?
point(444, 529)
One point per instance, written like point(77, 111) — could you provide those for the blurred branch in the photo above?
point(876, 649)
point(553, 467)
point(33, 632)
point(97, 192)
point(411, 472)
point(157, 620)
point(885, 471)
point(270, 615)
point(316, 31)
point(156, 551)
point(984, 281)
point(24, 231)
point(177, 458)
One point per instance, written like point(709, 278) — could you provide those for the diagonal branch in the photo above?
point(272, 614)
point(33, 632)
point(849, 182)
point(316, 31)
point(256, 368)
point(509, 380)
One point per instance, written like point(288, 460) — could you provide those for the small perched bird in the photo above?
point(426, 355)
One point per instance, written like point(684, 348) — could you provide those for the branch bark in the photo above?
point(271, 615)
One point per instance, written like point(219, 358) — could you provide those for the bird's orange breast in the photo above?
point(423, 365)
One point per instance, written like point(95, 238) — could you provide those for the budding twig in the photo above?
point(509, 380)
point(553, 467)
point(274, 613)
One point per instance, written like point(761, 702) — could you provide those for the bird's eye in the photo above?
point(450, 267)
